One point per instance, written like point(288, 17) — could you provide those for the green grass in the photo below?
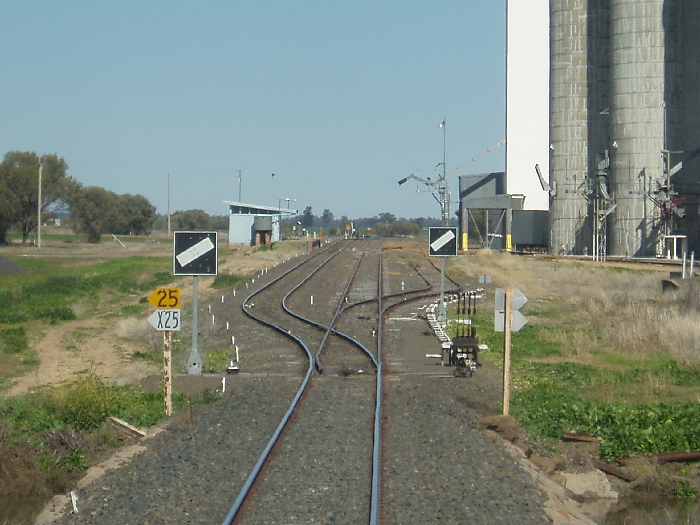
point(229, 280)
point(47, 295)
point(216, 360)
point(84, 405)
point(13, 340)
point(571, 373)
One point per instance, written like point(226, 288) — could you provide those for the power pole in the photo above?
point(445, 210)
point(168, 205)
point(38, 206)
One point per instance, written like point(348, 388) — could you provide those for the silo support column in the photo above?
point(509, 234)
point(463, 226)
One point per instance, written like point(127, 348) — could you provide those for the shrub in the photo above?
point(76, 460)
point(87, 403)
point(685, 491)
point(13, 340)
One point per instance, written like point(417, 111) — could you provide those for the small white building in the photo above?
point(253, 224)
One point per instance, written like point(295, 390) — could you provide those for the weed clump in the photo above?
point(13, 340)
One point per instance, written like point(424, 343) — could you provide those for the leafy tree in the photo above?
point(135, 215)
point(403, 228)
point(191, 220)
point(19, 189)
point(327, 217)
point(219, 222)
point(96, 211)
point(92, 209)
point(6, 218)
point(307, 218)
point(387, 218)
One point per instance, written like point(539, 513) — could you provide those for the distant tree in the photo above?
point(307, 218)
point(92, 210)
point(219, 222)
point(191, 220)
point(6, 218)
point(327, 218)
point(403, 228)
point(134, 215)
point(19, 189)
point(387, 218)
point(382, 229)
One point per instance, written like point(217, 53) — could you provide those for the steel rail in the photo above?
point(243, 494)
point(377, 448)
point(314, 362)
point(330, 327)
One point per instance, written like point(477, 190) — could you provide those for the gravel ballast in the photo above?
point(440, 465)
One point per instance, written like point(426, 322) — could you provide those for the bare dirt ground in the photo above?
point(97, 344)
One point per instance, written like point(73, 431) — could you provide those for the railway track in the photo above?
point(343, 372)
point(419, 458)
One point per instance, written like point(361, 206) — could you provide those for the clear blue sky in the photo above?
point(339, 100)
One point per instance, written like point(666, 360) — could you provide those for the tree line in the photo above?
point(93, 210)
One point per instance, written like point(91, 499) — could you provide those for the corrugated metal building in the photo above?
point(253, 224)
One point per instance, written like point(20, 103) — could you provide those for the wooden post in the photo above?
point(167, 371)
point(507, 323)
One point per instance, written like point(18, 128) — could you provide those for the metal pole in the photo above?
point(168, 205)
point(195, 364)
point(442, 312)
point(38, 208)
point(445, 205)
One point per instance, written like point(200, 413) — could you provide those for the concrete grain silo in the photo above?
point(637, 121)
point(624, 110)
point(569, 229)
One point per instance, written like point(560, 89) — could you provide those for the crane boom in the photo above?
point(477, 157)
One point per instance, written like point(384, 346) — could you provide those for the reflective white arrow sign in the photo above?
point(518, 300)
point(165, 320)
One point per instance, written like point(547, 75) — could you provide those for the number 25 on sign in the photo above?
point(165, 298)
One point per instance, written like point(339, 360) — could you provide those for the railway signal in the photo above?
point(442, 242)
point(165, 320)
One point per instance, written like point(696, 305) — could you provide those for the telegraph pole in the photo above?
point(445, 210)
point(38, 207)
point(168, 205)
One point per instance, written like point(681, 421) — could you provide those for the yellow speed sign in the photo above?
point(165, 298)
